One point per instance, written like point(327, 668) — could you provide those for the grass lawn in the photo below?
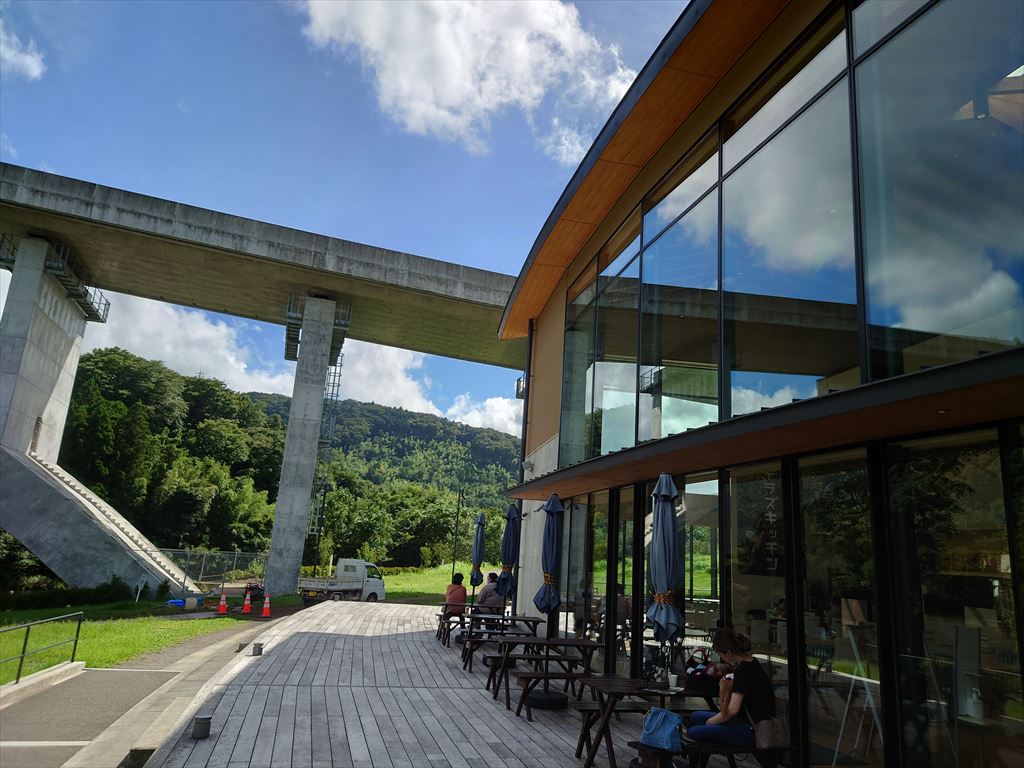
point(103, 642)
point(427, 585)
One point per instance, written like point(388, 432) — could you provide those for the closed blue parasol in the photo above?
point(476, 578)
point(664, 564)
point(506, 585)
point(547, 598)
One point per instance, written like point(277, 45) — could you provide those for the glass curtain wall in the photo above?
point(941, 126)
point(620, 606)
point(958, 663)
point(578, 567)
point(577, 381)
point(937, 142)
point(679, 321)
point(788, 265)
point(844, 697)
point(614, 422)
point(758, 580)
point(698, 518)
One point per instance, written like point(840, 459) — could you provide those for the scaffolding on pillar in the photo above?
point(61, 263)
point(293, 326)
point(322, 481)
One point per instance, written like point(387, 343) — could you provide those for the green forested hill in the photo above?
point(193, 463)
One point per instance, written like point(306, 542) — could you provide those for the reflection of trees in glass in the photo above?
point(834, 499)
point(926, 489)
point(759, 523)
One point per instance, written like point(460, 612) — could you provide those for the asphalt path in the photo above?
point(48, 728)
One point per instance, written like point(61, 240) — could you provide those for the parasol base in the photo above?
point(549, 700)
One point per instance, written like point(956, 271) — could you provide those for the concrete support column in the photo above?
point(300, 447)
point(40, 342)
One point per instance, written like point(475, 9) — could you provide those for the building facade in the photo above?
point(790, 273)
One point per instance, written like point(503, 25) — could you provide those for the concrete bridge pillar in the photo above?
point(300, 447)
point(40, 342)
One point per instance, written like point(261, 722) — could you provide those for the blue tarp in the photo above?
point(547, 598)
point(506, 586)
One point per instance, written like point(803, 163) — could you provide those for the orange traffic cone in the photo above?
point(222, 609)
point(266, 607)
point(247, 605)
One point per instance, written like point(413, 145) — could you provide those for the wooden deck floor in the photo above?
point(364, 685)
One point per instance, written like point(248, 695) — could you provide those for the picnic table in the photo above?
point(539, 649)
point(446, 618)
point(487, 628)
point(610, 692)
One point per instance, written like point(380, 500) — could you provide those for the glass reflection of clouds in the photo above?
point(788, 211)
point(753, 390)
point(828, 63)
point(943, 186)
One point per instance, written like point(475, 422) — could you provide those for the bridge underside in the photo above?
point(158, 249)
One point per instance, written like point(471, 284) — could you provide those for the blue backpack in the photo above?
point(662, 730)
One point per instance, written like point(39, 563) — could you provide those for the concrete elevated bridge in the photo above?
point(64, 238)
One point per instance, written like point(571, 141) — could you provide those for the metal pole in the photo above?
point(184, 571)
point(234, 563)
point(202, 567)
point(21, 661)
point(455, 530)
point(691, 563)
point(78, 631)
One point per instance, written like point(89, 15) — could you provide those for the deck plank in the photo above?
point(363, 685)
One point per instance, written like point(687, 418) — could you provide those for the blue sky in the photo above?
point(442, 129)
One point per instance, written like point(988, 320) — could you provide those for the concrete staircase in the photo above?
point(78, 535)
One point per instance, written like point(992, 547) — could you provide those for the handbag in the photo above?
point(768, 733)
point(662, 730)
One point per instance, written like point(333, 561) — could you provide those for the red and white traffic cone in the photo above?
point(266, 607)
point(222, 609)
point(247, 605)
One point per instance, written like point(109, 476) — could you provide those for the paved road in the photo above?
point(48, 728)
point(62, 719)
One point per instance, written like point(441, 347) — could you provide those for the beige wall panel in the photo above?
point(546, 372)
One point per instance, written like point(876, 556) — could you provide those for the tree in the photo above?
point(220, 439)
point(127, 378)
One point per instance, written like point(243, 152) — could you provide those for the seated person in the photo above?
point(453, 595)
point(489, 601)
point(751, 698)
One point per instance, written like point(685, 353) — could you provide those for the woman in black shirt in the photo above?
point(751, 690)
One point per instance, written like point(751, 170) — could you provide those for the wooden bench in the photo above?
point(480, 638)
point(528, 681)
point(703, 751)
point(590, 712)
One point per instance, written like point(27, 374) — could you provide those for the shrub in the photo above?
point(163, 590)
point(111, 591)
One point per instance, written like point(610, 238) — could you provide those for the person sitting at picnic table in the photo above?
point(453, 596)
point(751, 691)
point(489, 601)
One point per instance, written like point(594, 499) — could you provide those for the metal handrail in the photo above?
point(28, 628)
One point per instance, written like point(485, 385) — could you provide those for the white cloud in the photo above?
point(564, 144)
point(382, 375)
point(502, 413)
point(370, 373)
point(6, 146)
point(18, 59)
point(446, 69)
point(175, 335)
point(750, 400)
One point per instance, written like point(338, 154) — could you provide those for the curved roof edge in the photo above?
point(703, 46)
point(684, 24)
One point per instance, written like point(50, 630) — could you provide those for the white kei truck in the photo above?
point(351, 580)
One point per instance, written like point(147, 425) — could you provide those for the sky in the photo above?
point(443, 129)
